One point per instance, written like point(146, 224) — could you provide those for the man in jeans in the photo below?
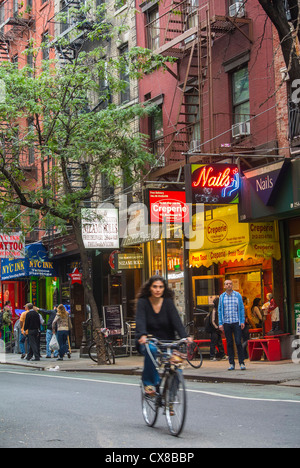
point(232, 322)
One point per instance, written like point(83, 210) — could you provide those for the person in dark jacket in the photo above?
point(215, 334)
point(33, 325)
point(52, 314)
point(156, 315)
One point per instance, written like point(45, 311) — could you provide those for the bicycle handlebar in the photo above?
point(167, 343)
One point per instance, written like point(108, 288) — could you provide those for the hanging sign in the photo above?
point(168, 205)
point(213, 184)
point(76, 277)
point(12, 245)
point(265, 180)
point(100, 228)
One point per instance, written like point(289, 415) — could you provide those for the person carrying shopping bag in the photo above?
point(64, 327)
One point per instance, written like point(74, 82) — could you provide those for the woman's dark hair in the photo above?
point(145, 289)
point(216, 302)
point(256, 302)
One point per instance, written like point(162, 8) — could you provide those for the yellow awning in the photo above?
point(224, 239)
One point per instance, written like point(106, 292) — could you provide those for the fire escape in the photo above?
point(71, 28)
point(187, 32)
point(15, 21)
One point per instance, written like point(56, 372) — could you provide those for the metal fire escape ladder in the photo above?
point(4, 51)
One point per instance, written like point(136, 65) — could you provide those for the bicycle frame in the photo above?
point(170, 393)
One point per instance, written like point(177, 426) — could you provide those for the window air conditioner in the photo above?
point(241, 129)
point(237, 10)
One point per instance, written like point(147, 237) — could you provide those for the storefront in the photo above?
point(247, 253)
point(30, 279)
point(272, 192)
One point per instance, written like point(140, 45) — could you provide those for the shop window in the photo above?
point(296, 261)
point(240, 95)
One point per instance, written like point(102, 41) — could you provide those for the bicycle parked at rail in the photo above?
point(109, 351)
point(171, 393)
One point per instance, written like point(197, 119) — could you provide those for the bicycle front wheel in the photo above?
point(149, 408)
point(93, 352)
point(109, 354)
point(175, 401)
point(194, 355)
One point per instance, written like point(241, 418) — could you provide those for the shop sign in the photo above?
point(12, 245)
point(113, 319)
point(35, 263)
point(100, 228)
point(265, 180)
point(130, 261)
point(213, 184)
point(168, 205)
point(75, 276)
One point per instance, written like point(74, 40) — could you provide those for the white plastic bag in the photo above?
point(54, 346)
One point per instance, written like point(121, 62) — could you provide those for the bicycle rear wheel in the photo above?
point(149, 408)
point(175, 401)
point(109, 353)
point(194, 355)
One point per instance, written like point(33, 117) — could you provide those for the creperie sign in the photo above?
point(168, 205)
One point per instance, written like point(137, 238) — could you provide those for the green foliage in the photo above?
point(63, 114)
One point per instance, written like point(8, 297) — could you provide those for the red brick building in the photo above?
point(219, 95)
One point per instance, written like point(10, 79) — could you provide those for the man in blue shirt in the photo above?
point(232, 322)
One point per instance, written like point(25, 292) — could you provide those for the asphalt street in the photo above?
point(56, 409)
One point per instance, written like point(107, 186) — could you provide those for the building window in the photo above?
point(45, 46)
point(153, 29)
point(240, 95)
point(124, 75)
point(157, 135)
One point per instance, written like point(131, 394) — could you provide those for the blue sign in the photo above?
point(35, 263)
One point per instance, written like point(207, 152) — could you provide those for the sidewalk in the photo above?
point(261, 372)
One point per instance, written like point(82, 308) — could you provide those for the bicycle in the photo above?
point(109, 351)
point(194, 355)
point(170, 393)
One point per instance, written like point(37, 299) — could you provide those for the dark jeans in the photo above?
point(62, 338)
point(234, 329)
point(34, 349)
point(216, 341)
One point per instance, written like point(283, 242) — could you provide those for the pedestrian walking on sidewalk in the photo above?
point(232, 322)
point(64, 326)
point(33, 325)
point(52, 314)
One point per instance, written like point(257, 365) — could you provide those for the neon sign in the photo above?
point(214, 183)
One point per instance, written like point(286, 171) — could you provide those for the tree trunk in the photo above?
point(278, 15)
point(88, 289)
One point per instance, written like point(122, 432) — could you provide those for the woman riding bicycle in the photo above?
point(156, 315)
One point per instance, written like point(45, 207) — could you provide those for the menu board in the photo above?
point(113, 319)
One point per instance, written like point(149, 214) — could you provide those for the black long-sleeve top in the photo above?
point(162, 325)
point(32, 321)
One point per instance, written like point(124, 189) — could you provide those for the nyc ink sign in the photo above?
point(214, 184)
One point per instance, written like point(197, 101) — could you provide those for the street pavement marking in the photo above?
point(112, 382)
